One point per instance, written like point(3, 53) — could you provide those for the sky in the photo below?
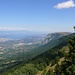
point(37, 15)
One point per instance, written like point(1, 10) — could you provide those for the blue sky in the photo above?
point(37, 15)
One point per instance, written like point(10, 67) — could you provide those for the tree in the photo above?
point(68, 66)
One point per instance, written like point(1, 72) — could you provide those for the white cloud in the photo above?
point(16, 29)
point(67, 4)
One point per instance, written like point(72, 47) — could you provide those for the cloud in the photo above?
point(67, 4)
point(16, 29)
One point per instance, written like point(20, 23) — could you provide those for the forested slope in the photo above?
point(41, 61)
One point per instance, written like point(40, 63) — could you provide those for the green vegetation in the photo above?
point(68, 66)
point(39, 63)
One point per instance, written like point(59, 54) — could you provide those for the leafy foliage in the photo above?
point(68, 66)
point(38, 63)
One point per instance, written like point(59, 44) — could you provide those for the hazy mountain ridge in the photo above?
point(52, 36)
point(57, 38)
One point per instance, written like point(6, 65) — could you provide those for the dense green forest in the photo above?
point(38, 63)
point(67, 66)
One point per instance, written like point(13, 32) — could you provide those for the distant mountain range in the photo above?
point(52, 36)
